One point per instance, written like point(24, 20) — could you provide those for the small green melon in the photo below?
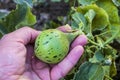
point(52, 45)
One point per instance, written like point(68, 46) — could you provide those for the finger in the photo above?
point(80, 40)
point(30, 53)
point(64, 28)
point(67, 64)
point(24, 35)
point(41, 69)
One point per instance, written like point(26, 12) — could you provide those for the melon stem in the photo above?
point(71, 35)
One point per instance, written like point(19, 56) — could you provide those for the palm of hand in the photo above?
point(17, 65)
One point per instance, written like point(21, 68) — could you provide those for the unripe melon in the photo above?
point(52, 45)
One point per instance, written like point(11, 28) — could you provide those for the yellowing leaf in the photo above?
point(111, 10)
point(100, 21)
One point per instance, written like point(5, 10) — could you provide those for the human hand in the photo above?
point(17, 61)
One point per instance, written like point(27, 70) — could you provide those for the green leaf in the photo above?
point(98, 57)
point(3, 13)
point(111, 34)
point(100, 21)
point(37, 2)
point(86, 2)
point(66, 1)
point(74, 25)
point(107, 70)
point(114, 34)
point(29, 20)
point(116, 28)
point(55, 0)
point(90, 71)
point(116, 2)
point(110, 51)
point(90, 15)
point(0, 35)
point(109, 55)
point(28, 2)
point(2, 30)
point(79, 19)
point(50, 25)
point(62, 79)
point(111, 10)
point(19, 17)
point(108, 35)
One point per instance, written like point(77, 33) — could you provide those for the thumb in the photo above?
point(24, 35)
